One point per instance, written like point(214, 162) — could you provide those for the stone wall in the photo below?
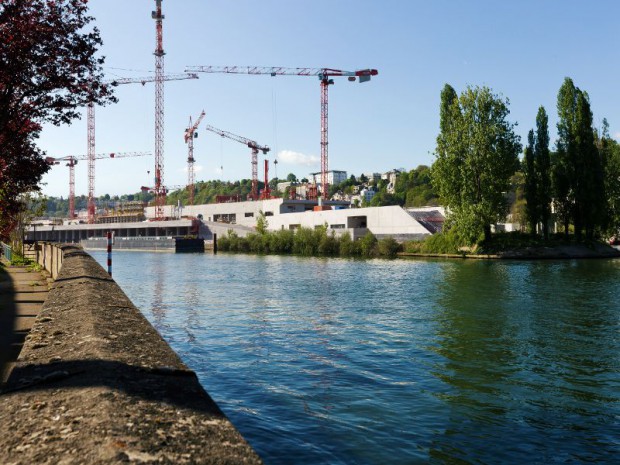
point(95, 383)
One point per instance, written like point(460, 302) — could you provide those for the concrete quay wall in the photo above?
point(96, 384)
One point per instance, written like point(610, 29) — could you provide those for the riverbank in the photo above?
point(531, 253)
point(95, 383)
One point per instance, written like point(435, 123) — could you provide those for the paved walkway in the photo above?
point(22, 293)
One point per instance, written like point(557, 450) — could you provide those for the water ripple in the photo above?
point(370, 362)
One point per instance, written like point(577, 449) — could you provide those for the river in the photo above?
point(332, 361)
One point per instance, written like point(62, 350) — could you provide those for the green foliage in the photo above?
point(446, 243)
point(579, 171)
point(542, 158)
point(368, 245)
point(309, 243)
point(610, 156)
point(388, 247)
point(532, 209)
point(477, 153)
point(261, 223)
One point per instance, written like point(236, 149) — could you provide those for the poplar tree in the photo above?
point(579, 178)
point(477, 153)
point(542, 159)
point(532, 207)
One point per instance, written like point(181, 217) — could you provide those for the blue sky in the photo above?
point(520, 49)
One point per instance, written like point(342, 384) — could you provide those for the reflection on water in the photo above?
point(372, 362)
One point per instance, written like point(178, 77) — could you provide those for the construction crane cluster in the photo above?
point(325, 76)
point(72, 160)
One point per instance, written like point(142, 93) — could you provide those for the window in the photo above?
point(268, 213)
point(249, 215)
point(337, 226)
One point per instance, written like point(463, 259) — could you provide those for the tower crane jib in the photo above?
point(324, 75)
point(254, 146)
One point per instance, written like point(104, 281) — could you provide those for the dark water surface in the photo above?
point(396, 362)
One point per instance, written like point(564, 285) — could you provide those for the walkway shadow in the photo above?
point(10, 340)
point(178, 387)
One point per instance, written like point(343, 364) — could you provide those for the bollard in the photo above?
point(214, 243)
point(110, 253)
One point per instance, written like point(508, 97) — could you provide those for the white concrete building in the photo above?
point(292, 214)
point(334, 177)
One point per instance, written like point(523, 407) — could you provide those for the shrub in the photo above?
point(388, 247)
point(368, 245)
point(347, 247)
point(329, 245)
point(281, 241)
point(305, 242)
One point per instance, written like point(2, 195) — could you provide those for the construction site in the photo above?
point(154, 225)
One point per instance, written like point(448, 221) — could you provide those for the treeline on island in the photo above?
point(477, 164)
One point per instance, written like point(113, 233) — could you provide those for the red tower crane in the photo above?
point(72, 160)
point(91, 129)
point(190, 134)
point(324, 75)
point(160, 190)
point(252, 145)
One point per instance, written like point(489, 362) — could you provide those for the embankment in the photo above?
point(95, 383)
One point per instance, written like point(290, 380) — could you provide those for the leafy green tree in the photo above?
point(532, 209)
point(477, 153)
point(291, 178)
point(261, 223)
point(579, 190)
point(610, 157)
point(542, 159)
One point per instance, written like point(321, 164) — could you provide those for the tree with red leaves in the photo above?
point(48, 70)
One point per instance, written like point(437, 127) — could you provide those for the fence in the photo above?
point(7, 251)
point(49, 256)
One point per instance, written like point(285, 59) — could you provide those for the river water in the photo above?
point(330, 361)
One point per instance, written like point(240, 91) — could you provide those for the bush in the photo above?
point(329, 246)
point(347, 247)
point(305, 242)
point(388, 247)
point(368, 245)
point(281, 242)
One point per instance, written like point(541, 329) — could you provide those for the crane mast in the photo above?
point(91, 164)
point(91, 130)
point(190, 134)
point(255, 149)
point(324, 75)
point(160, 190)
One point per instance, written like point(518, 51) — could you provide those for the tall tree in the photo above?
point(610, 157)
point(579, 166)
point(532, 208)
point(542, 159)
point(48, 69)
point(477, 153)
point(564, 164)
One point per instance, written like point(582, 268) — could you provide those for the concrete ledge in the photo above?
point(95, 383)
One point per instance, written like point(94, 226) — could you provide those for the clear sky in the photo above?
point(521, 49)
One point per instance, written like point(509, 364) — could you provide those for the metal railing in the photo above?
point(7, 251)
